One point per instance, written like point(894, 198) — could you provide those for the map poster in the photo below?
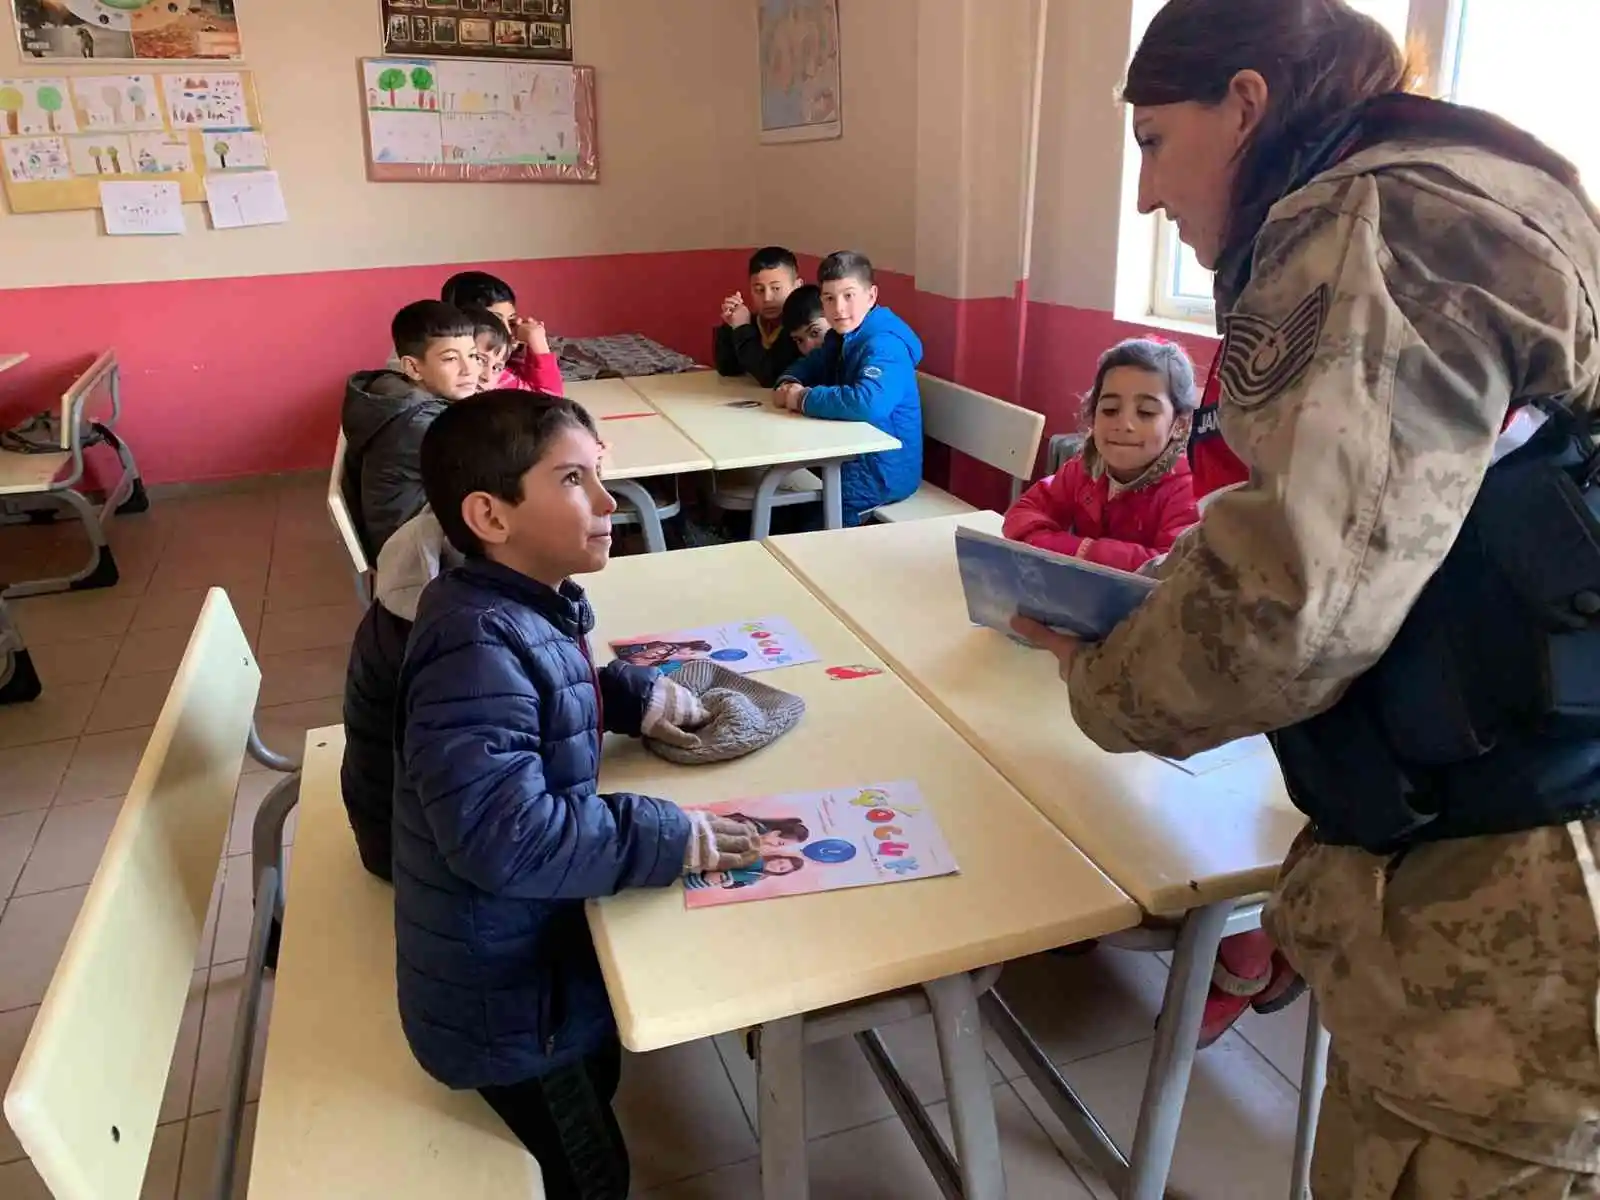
point(522, 29)
point(799, 42)
point(84, 31)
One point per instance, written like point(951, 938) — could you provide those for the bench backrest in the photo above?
point(86, 1094)
point(992, 431)
point(339, 510)
point(102, 373)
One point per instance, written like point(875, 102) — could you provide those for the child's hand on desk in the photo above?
point(532, 335)
point(790, 396)
point(1064, 646)
point(719, 844)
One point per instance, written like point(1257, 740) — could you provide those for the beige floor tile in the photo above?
point(680, 1114)
point(1280, 1036)
point(32, 933)
point(66, 663)
point(252, 790)
point(69, 846)
point(283, 727)
point(1035, 1169)
point(130, 702)
point(19, 1181)
point(19, 835)
point(737, 1182)
point(311, 556)
point(1237, 1136)
point(166, 1161)
point(14, 1027)
point(235, 911)
point(103, 764)
point(316, 589)
point(185, 1053)
point(147, 650)
point(242, 576)
point(32, 774)
point(73, 616)
point(303, 675)
point(59, 712)
point(223, 993)
point(1079, 1006)
point(163, 609)
point(309, 628)
point(200, 1156)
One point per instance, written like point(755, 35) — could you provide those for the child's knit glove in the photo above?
point(673, 710)
point(719, 844)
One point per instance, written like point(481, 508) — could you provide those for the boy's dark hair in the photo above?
point(846, 264)
point(487, 443)
point(476, 289)
point(1167, 359)
point(770, 258)
point(803, 306)
point(487, 324)
point(415, 325)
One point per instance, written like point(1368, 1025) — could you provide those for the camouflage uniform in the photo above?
point(1399, 304)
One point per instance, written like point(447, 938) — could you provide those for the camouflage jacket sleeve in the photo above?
point(1366, 372)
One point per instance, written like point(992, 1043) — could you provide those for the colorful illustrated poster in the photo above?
point(799, 41)
point(744, 646)
point(525, 29)
point(90, 30)
point(61, 139)
point(828, 841)
point(438, 120)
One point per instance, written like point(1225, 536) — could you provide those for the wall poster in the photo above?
point(149, 30)
point(522, 29)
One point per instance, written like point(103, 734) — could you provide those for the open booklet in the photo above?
point(825, 841)
point(1003, 579)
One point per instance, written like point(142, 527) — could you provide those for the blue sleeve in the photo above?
point(876, 389)
point(810, 370)
point(624, 696)
point(478, 768)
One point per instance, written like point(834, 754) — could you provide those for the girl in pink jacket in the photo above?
point(1128, 496)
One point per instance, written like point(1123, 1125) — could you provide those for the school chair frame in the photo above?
point(87, 1092)
point(344, 524)
point(1063, 448)
point(53, 476)
point(741, 491)
point(1002, 435)
point(19, 680)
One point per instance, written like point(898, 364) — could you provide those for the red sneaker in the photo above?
point(1282, 990)
point(1222, 1010)
point(1243, 971)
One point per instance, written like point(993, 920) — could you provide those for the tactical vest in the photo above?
point(1483, 716)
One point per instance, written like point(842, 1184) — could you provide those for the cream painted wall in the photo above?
point(675, 103)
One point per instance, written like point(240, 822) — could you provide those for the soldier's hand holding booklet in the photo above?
point(1004, 579)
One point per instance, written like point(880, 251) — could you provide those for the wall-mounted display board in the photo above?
point(453, 120)
point(142, 30)
point(525, 29)
point(61, 138)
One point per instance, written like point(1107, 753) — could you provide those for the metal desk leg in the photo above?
point(1177, 1032)
point(781, 1109)
point(636, 494)
point(832, 495)
point(1313, 1077)
point(761, 504)
point(959, 1031)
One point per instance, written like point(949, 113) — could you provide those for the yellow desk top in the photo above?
point(606, 398)
point(345, 1111)
point(640, 447)
point(705, 406)
point(1171, 839)
point(675, 975)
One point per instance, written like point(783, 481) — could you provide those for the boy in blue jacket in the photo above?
point(500, 831)
point(865, 370)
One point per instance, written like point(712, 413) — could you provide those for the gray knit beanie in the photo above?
point(744, 715)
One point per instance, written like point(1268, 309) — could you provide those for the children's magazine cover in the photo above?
point(1004, 579)
point(743, 646)
point(826, 841)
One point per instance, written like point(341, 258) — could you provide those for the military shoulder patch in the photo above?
point(1261, 359)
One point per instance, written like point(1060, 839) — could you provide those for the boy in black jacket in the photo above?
point(751, 339)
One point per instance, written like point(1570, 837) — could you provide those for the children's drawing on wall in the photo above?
point(236, 150)
point(37, 160)
point(160, 154)
point(799, 42)
point(127, 29)
point(36, 106)
point(205, 101)
point(481, 28)
point(118, 101)
point(101, 154)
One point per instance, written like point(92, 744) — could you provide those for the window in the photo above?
point(1527, 60)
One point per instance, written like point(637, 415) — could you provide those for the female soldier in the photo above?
point(1403, 589)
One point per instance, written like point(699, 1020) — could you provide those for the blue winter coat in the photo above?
point(500, 832)
point(870, 375)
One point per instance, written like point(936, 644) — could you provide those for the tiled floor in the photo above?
point(107, 658)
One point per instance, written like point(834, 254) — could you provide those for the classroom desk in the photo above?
point(640, 444)
point(364, 1121)
point(1022, 887)
point(1184, 845)
point(718, 416)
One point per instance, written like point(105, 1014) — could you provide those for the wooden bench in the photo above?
point(87, 1092)
point(344, 524)
point(345, 1111)
point(1005, 436)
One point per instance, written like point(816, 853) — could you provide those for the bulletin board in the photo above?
point(60, 138)
point(527, 29)
point(463, 120)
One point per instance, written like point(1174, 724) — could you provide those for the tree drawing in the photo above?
point(112, 95)
point(422, 80)
point(391, 80)
point(136, 97)
point(49, 99)
point(96, 153)
point(220, 149)
point(10, 104)
point(116, 160)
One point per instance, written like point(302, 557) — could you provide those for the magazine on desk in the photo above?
point(1004, 579)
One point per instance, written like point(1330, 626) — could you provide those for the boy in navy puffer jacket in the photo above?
point(500, 831)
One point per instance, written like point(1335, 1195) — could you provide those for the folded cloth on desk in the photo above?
point(616, 355)
point(742, 716)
